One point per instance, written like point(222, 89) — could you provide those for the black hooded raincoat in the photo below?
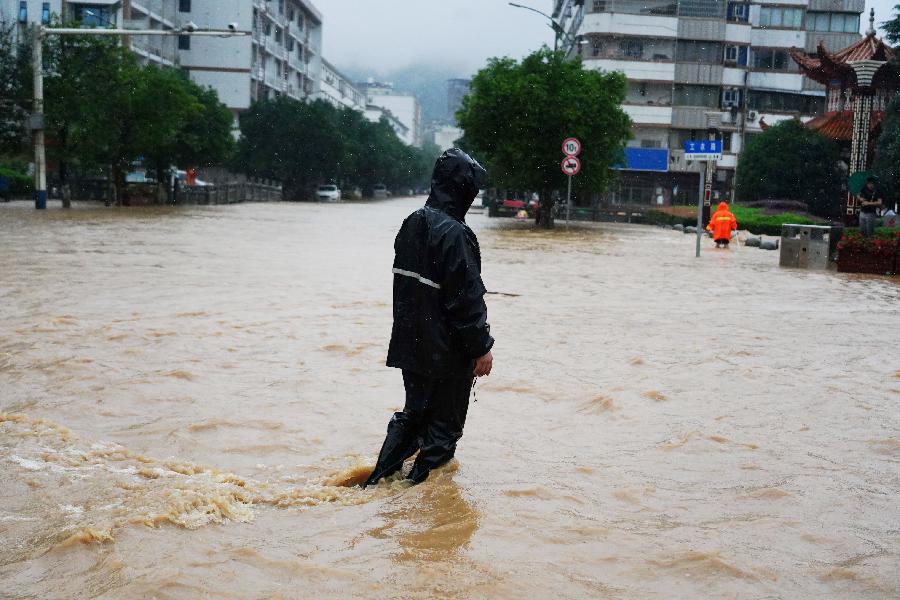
point(440, 318)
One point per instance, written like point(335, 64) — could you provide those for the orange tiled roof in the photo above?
point(839, 126)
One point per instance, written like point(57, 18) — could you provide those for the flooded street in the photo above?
point(183, 390)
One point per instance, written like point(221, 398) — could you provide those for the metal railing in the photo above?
point(230, 193)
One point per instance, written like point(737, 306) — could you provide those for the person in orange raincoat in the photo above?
point(721, 224)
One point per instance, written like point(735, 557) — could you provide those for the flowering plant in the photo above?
point(883, 245)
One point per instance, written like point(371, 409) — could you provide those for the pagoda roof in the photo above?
point(827, 67)
point(839, 126)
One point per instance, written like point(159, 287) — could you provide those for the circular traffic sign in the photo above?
point(571, 166)
point(571, 147)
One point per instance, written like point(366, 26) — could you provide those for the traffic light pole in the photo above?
point(37, 61)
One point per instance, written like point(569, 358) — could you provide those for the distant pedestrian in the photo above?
point(721, 224)
point(440, 338)
point(870, 202)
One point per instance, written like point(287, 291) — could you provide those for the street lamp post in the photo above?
point(37, 58)
point(557, 29)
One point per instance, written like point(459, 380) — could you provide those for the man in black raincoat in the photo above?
point(440, 338)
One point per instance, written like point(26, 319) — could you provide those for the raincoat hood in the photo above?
point(455, 182)
point(723, 206)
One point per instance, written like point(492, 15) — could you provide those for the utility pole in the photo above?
point(37, 122)
point(37, 58)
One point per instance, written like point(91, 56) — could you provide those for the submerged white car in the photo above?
point(328, 193)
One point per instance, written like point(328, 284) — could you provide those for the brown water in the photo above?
point(183, 390)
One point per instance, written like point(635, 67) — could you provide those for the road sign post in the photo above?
point(571, 166)
point(705, 151)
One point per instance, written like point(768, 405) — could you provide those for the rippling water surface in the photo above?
point(183, 393)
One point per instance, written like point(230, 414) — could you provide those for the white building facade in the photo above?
point(336, 88)
point(702, 68)
point(404, 107)
point(282, 57)
point(143, 14)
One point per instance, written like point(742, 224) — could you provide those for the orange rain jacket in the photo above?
point(722, 223)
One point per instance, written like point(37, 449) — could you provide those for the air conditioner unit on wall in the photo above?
point(751, 116)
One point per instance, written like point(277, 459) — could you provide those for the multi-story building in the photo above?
point(336, 88)
point(376, 113)
point(143, 14)
point(457, 89)
point(700, 68)
point(283, 55)
point(405, 107)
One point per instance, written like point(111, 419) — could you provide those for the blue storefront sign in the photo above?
point(646, 159)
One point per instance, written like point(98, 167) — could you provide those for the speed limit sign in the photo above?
point(571, 147)
point(571, 165)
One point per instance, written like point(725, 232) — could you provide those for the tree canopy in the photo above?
point(788, 161)
point(517, 115)
point(887, 153)
point(892, 27)
point(304, 144)
point(103, 109)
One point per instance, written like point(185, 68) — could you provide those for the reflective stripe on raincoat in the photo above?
point(722, 223)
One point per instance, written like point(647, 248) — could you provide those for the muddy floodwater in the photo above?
point(183, 393)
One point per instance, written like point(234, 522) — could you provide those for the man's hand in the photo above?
point(483, 365)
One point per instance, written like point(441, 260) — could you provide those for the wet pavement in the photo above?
point(184, 390)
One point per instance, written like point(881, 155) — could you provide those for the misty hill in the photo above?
point(427, 82)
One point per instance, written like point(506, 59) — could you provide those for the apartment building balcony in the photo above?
point(690, 117)
point(856, 6)
point(272, 47)
point(627, 24)
point(295, 31)
point(774, 80)
point(635, 69)
point(832, 41)
point(698, 73)
point(701, 29)
point(739, 33)
point(272, 80)
point(643, 114)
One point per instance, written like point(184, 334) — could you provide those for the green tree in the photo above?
point(789, 161)
point(15, 90)
point(105, 109)
point(305, 144)
point(887, 153)
point(892, 27)
point(518, 113)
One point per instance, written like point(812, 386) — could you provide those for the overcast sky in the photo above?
point(381, 35)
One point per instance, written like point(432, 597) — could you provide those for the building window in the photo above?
point(736, 55)
point(267, 28)
point(731, 97)
point(631, 48)
point(651, 144)
point(278, 34)
point(600, 6)
point(45, 13)
point(290, 14)
point(699, 52)
point(738, 11)
point(702, 8)
point(784, 18)
point(596, 48)
point(833, 22)
point(696, 95)
point(89, 15)
point(23, 11)
point(290, 44)
point(184, 42)
point(184, 5)
point(280, 7)
point(774, 59)
point(785, 102)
